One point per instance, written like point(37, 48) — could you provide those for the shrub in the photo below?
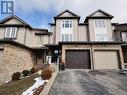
point(25, 73)
point(46, 74)
point(16, 76)
point(33, 70)
point(52, 68)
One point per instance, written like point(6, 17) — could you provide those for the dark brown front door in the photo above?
point(77, 59)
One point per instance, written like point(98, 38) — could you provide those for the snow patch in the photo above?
point(38, 83)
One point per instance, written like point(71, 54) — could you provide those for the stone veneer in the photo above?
point(92, 48)
point(15, 59)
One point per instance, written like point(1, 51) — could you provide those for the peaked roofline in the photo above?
point(16, 17)
point(69, 12)
point(22, 21)
point(99, 10)
point(75, 15)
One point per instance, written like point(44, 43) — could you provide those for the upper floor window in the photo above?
point(11, 32)
point(101, 37)
point(39, 39)
point(124, 36)
point(66, 24)
point(66, 37)
point(100, 23)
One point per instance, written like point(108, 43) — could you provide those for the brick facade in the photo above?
point(15, 59)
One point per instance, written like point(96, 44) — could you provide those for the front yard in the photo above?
point(17, 87)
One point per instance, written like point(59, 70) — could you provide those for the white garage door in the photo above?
point(106, 60)
point(1, 56)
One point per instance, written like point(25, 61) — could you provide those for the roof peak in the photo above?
point(22, 21)
point(68, 12)
point(107, 15)
point(102, 11)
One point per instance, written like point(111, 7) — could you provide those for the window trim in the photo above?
point(70, 23)
point(100, 23)
point(38, 38)
point(63, 37)
point(10, 33)
point(105, 36)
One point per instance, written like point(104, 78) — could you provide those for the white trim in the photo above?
point(66, 30)
point(8, 33)
point(101, 31)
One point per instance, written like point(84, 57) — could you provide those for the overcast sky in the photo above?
point(38, 13)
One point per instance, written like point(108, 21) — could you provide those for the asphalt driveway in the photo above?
point(85, 82)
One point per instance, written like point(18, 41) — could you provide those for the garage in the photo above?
point(77, 59)
point(106, 60)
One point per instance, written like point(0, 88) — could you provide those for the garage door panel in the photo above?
point(106, 60)
point(77, 59)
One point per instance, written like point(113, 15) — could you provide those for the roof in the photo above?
point(91, 42)
point(75, 15)
point(53, 46)
point(16, 17)
point(121, 27)
point(40, 29)
point(82, 23)
point(44, 31)
point(40, 48)
point(99, 10)
point(3, 41)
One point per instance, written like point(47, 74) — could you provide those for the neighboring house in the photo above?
point(120, 33)
point(21, 46)
point(89, 45)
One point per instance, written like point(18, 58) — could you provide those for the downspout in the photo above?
point(78, 31)
point(25, 36)
point(92, 67)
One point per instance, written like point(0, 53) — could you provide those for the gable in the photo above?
point(66, 14)
point(13, 21)
point(99, 14)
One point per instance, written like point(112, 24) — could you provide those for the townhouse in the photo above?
point(94, 44)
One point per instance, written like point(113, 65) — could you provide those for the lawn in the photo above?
point(17, 87)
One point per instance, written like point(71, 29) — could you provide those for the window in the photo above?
point(11, 32)
point(66, 37)
point(39, 39)
point(101, 37)
point(100, 23)
point(124, 36)
point(67, 24)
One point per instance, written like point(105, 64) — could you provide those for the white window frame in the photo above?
point(65, 22)
point(63, 37)
point(101, 37)
point(10, 33)
point(100, 23)
point(100, 27)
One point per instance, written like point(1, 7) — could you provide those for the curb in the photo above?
point(48, 86)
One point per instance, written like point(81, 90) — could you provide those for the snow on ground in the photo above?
point(38, 82)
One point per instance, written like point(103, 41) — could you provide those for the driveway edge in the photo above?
point(48, 86)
